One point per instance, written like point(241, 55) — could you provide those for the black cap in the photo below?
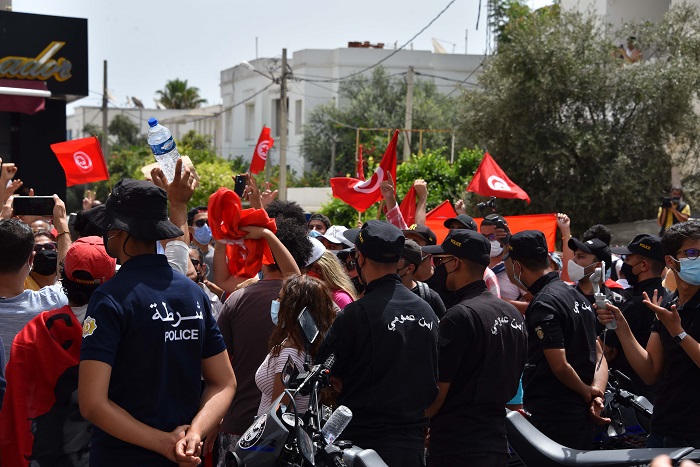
point(378, 241)
point(193, 212)
point(595, 247)
point(463, 219)
point(528, 244)
point(423, 232)
point(412, 252)
point(466, 244)
point(495, 219)
point(645, 245)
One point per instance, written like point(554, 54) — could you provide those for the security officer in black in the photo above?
point(563, 382)
point(483, 346)
point(642, 267)
point(386, 349)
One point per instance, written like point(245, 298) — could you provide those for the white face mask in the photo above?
point(496, 248)
point(576, 272)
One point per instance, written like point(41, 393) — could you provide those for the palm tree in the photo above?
point(177, 95)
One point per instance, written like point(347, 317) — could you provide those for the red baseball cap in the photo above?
point(88, 254)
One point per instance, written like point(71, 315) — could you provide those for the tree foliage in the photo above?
point(574, 126)
point(178, 95)
point(377, 101)
point(126, 132)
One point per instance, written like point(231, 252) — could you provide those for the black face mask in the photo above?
point(626, 270)
point(359, 286)
point(45, 262)
point(359, 271)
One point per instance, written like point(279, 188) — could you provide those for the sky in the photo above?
point(147, 43)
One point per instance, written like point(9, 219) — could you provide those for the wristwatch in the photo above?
point(678, 338)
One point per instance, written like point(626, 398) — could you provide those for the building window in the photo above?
point(297, 117)
point(228, 121)
point(277, 118)
point(250, 121)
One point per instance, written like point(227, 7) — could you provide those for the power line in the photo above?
point(467, 78)
point(333, 80)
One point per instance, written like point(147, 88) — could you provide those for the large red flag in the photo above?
point(82, 160)
point(362, 194)
point(490, 180)
point(265, 142)
point(408, 206)
point(360, 169)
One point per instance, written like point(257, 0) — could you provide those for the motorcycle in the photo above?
point(283, 437)
point(630, 415)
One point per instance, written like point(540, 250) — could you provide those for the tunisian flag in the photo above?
point(82, 160)
point(362, 194)
point(490, 180)
point(265, 142)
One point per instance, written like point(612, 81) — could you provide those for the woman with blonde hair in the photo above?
point(298, 292)
point(330, 270)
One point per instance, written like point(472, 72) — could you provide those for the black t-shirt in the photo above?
point(431, 297)
point(677, 408)
point(483, 346)
point(386, 348)
point(640, 319)
point(558, 317)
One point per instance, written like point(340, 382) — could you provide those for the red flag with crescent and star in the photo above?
point(490, 180)
point(82, 160)
point(362, 194)
point(265, 143)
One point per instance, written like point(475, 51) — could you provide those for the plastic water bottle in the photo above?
point(163, 146)
point(336, 424)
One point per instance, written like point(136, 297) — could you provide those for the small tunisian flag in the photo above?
point(265, 142)
point(82, 160)
point(362, 194)
point(408, 206)
point(490, 180)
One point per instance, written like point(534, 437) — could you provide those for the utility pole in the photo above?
point(332, 170)
point(409, 115)
point(104, 142)
point(283, 129)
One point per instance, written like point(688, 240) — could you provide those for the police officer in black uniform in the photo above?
point(483, 346)
point(563, 383)
point(589, 255)
point(386, 349)
point(642, 267)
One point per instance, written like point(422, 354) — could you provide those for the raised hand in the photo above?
point(670, 318)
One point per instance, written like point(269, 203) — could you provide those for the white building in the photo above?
point(618, 12)
point(251, 99)
point(205, 121)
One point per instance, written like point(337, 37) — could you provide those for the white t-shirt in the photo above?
point(265, 377)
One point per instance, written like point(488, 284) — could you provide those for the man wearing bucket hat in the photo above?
point(148, 339)
point(386, 348)
point(483, 346)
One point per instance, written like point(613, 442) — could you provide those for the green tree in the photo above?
point(126, 132)
point(577, 129)
point(377, 101)
point(178, 95)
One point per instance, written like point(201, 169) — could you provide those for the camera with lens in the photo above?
point(667, 201)
point(490, 204)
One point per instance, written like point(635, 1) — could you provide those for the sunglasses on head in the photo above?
point(45, 246)
point(201, 222)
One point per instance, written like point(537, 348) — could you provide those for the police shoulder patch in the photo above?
point(89, 326)
point(539, 332)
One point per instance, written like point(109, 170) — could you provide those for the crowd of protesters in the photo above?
point(150, 332)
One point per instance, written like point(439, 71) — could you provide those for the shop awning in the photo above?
point(22, 96)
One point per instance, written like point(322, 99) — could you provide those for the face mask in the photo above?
point(496, 248)
point(439, 280)
point(576, 272)
point(626, 270)
point(105, 240)
point(689, 273)
point(203, 234)
point(359, 271)
point(517, 277)
point(45, 262)
point(275, 311)
point(359, 286)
